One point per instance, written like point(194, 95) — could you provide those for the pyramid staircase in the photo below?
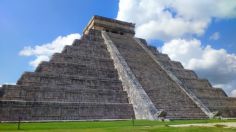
point(80, 83)
point(110, 74)
point(215, 99)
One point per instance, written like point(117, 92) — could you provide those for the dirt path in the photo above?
point(221, 124)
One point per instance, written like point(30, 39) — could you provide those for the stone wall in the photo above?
point(143, 106)
point(80, 83)
point(109, 74)
point(161, 89)
point(30, 111)
point(214, 99)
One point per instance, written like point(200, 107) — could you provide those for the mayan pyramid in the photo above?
point(110, 74)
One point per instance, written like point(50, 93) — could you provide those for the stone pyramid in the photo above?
point(110, 74)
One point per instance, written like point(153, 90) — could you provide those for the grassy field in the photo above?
point(116, 126)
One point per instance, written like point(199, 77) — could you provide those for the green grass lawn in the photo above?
point(116, 126)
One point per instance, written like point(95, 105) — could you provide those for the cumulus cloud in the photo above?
point(7, 84)
point(217, 65)
point(233, 93)
point(43, 52)
point(170, 20)
point(167, 19)
point(215, 36)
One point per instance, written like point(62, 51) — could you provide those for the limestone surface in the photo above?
point(110, 74)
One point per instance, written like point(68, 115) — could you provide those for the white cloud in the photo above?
point(233, 93)
point(39, 59)
point(43, 52)
point(214, 64)
point(7, 84)
point(215, 36)
point(168, 19)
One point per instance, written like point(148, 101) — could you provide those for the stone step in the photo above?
point(213, 92)
point(96, 65)
point(100, 62)
point(94, 35)
point(225, 105)
point(201, 88)
point(171, 64)
point(1, 92)
point(173, 108)
point(161, 89)
point(84, 51)
point(183, 113)
point(196, 83)
point(162, 57)
point(89, 47)
point(12, 110)
point(129, 48)
point(183, 73)
point(168, 94)
point(89, 44)
point(16, 92)
point(225, 111)
point(79, 56)
point(87, 54)
point(219, 101)
point(153, 49)
point(77, 69)
point(123, 42)
point(52, 80)
point(193, 109)
point(176, 104)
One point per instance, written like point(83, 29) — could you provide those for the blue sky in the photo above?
point(227, 29)
point(29, 23)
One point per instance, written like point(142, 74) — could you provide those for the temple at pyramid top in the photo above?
point(110, 25)
point(110, 74)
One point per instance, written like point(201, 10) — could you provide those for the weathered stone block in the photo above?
point(82, 82)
